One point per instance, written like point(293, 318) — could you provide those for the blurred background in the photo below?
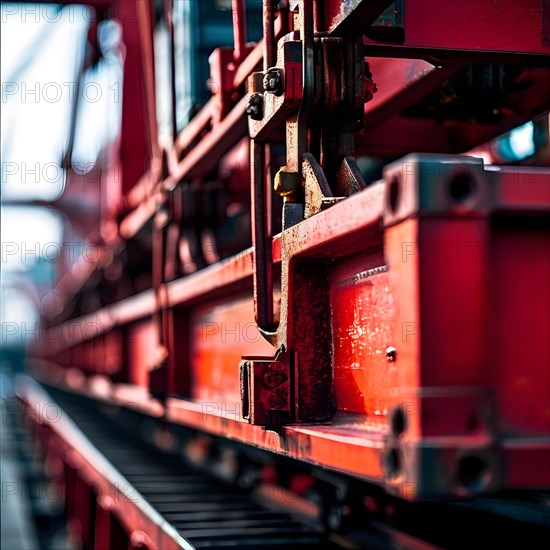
point(55, 82)
point(62, 89)
point(53, 86)
point(62, 71)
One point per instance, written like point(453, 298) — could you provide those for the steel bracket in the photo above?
point(267, 392)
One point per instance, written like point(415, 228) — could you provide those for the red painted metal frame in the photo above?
point(398, 279)
point(414, 402)
point(401, 83)
point(491, 30)
point(387, 133)
point(482, 29)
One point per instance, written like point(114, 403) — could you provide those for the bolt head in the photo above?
point(273, 81)
point(254, 107)
point(391, 354)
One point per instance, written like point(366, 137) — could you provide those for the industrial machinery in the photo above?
point(327, 278)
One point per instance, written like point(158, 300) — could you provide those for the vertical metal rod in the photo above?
point(269, 34)
point(296, 126)
point(268, 228)
point(308, 73)
point(169, 14)
point(146, 37)
point(261, 240)
point(239, 27)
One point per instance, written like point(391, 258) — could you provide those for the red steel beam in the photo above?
point(472, 30)
point(326, 226)
point(204, 157)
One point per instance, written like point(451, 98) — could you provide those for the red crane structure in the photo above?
point(327, 262)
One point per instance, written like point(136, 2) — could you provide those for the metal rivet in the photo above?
point(255, 107)
point(391, 354)
point(273, 81)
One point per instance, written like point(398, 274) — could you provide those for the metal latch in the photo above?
point(267, 390)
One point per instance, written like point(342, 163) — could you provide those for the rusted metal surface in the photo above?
point(349, 179)
point(417, 332)
point(276, 107)
point(261, 238)
point(316, 189)
point(402, 344)
point(267, 391)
